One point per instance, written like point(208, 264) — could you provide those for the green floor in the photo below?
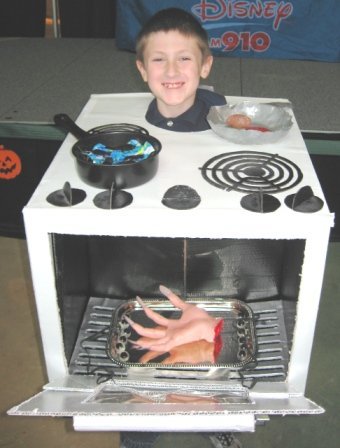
point(22, 372)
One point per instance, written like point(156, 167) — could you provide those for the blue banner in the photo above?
point(297, 29)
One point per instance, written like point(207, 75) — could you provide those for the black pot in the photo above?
point(123, 175)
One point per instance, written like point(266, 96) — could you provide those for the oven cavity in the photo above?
point(96, 275)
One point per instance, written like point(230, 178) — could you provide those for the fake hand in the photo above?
point(191, 353)
point(193, 325)
point(190, 398)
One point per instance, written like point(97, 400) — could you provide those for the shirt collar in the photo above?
point(192, 115)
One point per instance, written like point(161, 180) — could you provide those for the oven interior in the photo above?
point(94, 274)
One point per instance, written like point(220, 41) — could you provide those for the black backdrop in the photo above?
point(22, 18)
point(87, 18)
point(79, 18)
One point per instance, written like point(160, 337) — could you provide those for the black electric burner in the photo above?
point(251, 171)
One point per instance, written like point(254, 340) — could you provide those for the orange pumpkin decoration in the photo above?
point(10, 163)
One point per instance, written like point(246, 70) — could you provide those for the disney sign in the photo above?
point(241, 15)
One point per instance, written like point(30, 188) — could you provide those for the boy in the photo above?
point(172, 56)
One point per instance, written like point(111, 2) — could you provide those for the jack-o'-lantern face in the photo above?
point(10, 163)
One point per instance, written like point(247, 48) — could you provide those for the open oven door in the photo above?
point(121, 405)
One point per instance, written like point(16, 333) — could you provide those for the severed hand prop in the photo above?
point(194, 324)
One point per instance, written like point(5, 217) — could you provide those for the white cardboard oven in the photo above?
point(181, 156)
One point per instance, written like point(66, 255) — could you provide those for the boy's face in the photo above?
point(173, 65)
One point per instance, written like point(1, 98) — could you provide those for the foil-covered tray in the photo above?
point(238, 335)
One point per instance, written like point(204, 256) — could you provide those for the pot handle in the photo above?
point(66, 123)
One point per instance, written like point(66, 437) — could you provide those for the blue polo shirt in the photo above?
point(194, 119)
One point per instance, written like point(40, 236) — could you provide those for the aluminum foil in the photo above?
point(275, 117)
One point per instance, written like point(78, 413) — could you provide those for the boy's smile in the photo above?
point(173, 85)
point(172, 66)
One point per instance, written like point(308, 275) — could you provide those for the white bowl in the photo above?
point(275, 117)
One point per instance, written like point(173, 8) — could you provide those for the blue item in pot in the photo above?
point(135, 152)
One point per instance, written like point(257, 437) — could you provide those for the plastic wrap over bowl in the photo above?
point(274, 120)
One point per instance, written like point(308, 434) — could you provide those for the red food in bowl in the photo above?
point(257, 128)
point(238, 121)
point(241, 121)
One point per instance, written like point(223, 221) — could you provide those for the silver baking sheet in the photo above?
point(238, 334)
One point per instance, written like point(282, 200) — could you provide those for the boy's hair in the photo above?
point(173, 19)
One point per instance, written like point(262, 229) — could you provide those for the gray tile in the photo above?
point(226, 76)
point(41, 77)
point(95, 68)
point(29, 64)
point(312, 87)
